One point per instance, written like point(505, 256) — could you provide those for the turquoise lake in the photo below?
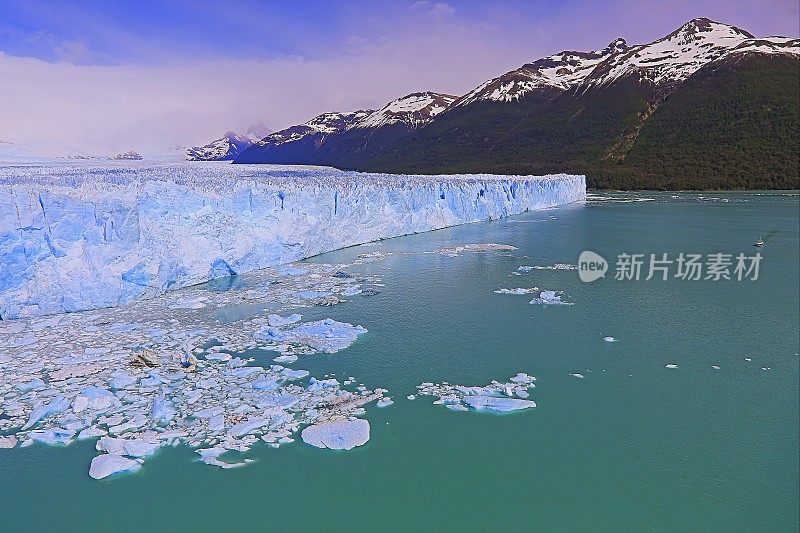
point(632, 445)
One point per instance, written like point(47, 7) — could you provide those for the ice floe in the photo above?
point(327, 335)
point(557, 266)
point(497, 397)
point(337, 434)
point(549, 298)
point(518, 290)
point(104, 465)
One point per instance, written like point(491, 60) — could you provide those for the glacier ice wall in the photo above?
point(76, 237)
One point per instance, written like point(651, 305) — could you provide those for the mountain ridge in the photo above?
point(586, 111)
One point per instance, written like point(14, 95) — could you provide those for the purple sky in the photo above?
point(107, 76)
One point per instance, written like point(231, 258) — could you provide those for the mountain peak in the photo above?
point(705, 28)
point(617, 45)
point(258, 131)
point(413, 110)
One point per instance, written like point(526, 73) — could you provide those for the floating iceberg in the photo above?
point(549, 298)
point(104, 465)
point(492, 403)
point(210, 456)
point(327, 335)
point(278, 321)
point(518, 290)
point(497, 397)
point(54, 436)
point(337, 435)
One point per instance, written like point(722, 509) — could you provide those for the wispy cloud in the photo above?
point(436, 10)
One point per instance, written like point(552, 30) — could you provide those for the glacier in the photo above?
point(79, 236)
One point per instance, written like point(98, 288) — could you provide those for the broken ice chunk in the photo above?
point(56, 405)
point(337, 435)
point(384, 402)
point(278, 321)
point(352, 290)
point(522, 377)
point(290, 375)
point(34, 384)
point(548, 298)
point(493, 403)
point(120, 381)
point(8, 441)
point(130, 447)
point(210, 456)
point(314, 384)
point(518, 290)
point(104, 465)
point(53, 436)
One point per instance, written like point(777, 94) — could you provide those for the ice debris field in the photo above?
point(85, 236)
point(178, 370)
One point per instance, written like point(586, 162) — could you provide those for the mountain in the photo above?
point(707, 106)
point(300, 144)
point(258, 131)
point(560, 72)
point(343, 138)
point(229, 146)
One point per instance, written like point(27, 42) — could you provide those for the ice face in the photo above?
point(77, 237)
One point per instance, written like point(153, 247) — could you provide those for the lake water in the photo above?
point(632, 445)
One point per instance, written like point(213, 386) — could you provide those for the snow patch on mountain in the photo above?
point(560, 71)
point(229, 146)
point(319, 126)
point(413, 110)
point(664, 62)
point(683, 52)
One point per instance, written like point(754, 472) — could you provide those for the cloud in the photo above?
point(109, 108)
point(437, 10)
point(188, 100)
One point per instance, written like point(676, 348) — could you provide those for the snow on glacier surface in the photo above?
point(83, 236)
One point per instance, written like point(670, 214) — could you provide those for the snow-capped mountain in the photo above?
point(559, 71)
point(663, 62)
point(335, 136)
point(672, 113)
point(413, 110)
point(257, 131)
point(318, 127)
point(226, 148)
point(672, 59)
point(229, 146)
